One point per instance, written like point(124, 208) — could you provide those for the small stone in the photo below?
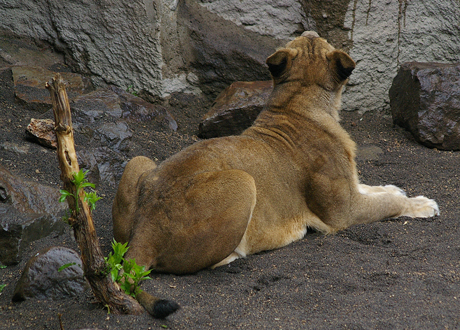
point(42, 131)
point(53, 273)
point(369, 152)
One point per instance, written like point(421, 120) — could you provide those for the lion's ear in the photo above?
point(341, 63)
point(280, 61)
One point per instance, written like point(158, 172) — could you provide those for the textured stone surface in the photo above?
point(328, 20)
point(29, 86)
point(385, 34)
point(196, 46)
point(42, 131)
point(118, 42)
point(103, 117)
point(104, 164)
point(144, 44)
point(117, 104)
point(278, 19)
point(41, 278)
point(425, 99)
point(235, 109)
point(28, 211)
point(136, 109)
point(221, 52)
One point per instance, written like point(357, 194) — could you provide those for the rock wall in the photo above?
point(278, 19)
point(385, 34)
point(116, 42)
point(193, 46)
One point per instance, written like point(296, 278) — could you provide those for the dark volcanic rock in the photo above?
point(28, 211)
point(235, 109)
point(29, 86)
point(115, 135)
point(118, 104)
point(425, 99)
point(41, 278)
point(137, 109)
point(90, 107)
point(103, 164)
point(219, 51)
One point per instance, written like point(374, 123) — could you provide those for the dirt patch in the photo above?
point(394, 274)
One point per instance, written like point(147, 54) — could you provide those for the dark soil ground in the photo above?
point(394, 274)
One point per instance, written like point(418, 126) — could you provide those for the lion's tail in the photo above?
point(158, 308)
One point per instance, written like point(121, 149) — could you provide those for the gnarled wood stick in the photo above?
point(94, 266)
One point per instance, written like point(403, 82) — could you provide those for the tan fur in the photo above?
point(229, 197)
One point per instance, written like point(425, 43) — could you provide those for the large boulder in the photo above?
point(160, 47)
point(235, 109)
point(28, 211)
point(425, 99)
point(53, 273)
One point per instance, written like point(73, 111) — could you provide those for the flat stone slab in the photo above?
point(29, 86)
point(118, 104)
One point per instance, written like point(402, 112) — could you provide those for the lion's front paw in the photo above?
point(421, 207)
point(388, 189)
point(394, 190)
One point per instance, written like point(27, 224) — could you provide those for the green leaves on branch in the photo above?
point(70, 264)
point(136, 274)
point(91, 199)
point(126, 273)
point(80, 182)
point(115, 259)
point(131, 90)
point(132, 274)
point(2, 286)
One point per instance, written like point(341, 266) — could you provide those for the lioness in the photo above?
point(226, 198)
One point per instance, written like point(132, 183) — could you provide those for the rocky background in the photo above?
point(151, 77)
point(167, 46)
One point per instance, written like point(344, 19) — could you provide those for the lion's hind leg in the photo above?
point(218, 209)
point(126, 198)
point(200, 221)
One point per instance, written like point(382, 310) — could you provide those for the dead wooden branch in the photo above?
point(94, 265)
